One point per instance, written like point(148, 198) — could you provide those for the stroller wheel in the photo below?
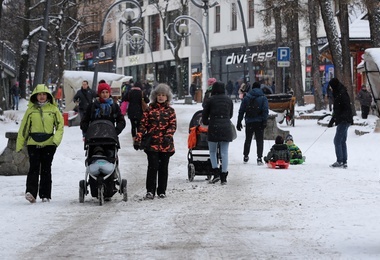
point(123, 189)
point(82, 189)
point(191, 171)
point(101, 194)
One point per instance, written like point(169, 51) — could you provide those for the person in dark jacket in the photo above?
point(365, 99)
point(217, 114)
point(160, 123)
point(255, 124)
point(84, 97)
point(342, 117)
point(15, 91)
point(230, 88)
point(103, 108)
point(279, 151)
point(210, 83)
point(135, 96)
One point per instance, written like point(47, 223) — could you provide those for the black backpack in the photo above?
point(254, 108)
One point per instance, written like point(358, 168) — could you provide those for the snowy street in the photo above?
point(308, 211)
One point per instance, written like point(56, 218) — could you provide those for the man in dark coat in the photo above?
point(365, 99)
point(84, 97)
point(255, 123)
point(342, 117)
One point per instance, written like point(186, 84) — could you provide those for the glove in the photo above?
point(239, 126)
point(264, 124)
point(136, 147)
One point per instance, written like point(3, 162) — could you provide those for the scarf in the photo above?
point(103, 108)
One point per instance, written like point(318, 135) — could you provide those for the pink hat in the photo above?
point(103, 86)
point(211, 81)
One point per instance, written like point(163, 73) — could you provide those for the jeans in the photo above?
point(15, 102)
point(213, 148)
point(40, 160)
point(340, 142)
point(157, 174)
point(257, 129)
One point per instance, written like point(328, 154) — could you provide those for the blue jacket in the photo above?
point(261, 99)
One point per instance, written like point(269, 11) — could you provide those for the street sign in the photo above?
point(283, 57)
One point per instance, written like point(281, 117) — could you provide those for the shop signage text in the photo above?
point(242, 58)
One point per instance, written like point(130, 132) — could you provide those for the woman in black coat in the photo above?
point(217, 112)
point(135, 110)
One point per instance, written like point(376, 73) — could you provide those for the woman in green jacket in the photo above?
point(42, 130)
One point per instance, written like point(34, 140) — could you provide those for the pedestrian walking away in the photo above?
point(42, 130)
point(342, 117)
point(254, 108)
point(159, 122)
point(217, 114)
point(365, 99)
point(135, 96)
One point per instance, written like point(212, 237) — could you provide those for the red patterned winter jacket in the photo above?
point(161, 123)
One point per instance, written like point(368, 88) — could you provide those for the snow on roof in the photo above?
point(359, 28)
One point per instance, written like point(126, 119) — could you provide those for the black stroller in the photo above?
point(198, 155)
point(102, 165)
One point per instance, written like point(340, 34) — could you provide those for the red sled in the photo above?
point(279, 164)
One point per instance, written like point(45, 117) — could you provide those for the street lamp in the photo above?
point(129, 15)
point(247, 50)
point(206, 5)
point(135, 38)
point(182, 30)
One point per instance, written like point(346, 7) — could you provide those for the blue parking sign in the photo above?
point(283, 57)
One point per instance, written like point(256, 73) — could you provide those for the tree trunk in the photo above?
point(279, 71)
point(332, 36)
point(23, 69)
point(298, 84)
point(346, 55)
point(318, 97)
point(373, 8)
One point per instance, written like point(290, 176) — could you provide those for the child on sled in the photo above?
point(295, 152)
point(278, 156)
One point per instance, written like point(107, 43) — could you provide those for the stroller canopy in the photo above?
point(102, 132)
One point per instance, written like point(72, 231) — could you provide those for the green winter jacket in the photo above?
point(43, 123)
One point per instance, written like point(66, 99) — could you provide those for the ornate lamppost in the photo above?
point(135, 37)
point(206, 5)
point(129, 15)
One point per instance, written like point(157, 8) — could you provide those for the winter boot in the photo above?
point(216, 173)
point(223, 178)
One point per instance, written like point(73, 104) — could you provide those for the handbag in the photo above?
point(124, 107)
point(40, 137)
point(234, 133)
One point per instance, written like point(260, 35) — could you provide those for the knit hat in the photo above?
point(218, 88)
point(289, 137)
point(103, 86)
point(211, 81)
point(256, 85)
point(279, 140)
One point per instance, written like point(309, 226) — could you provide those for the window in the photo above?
point(233, 17)
point(217, 19)
point(154, 36)
point(251, 14)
